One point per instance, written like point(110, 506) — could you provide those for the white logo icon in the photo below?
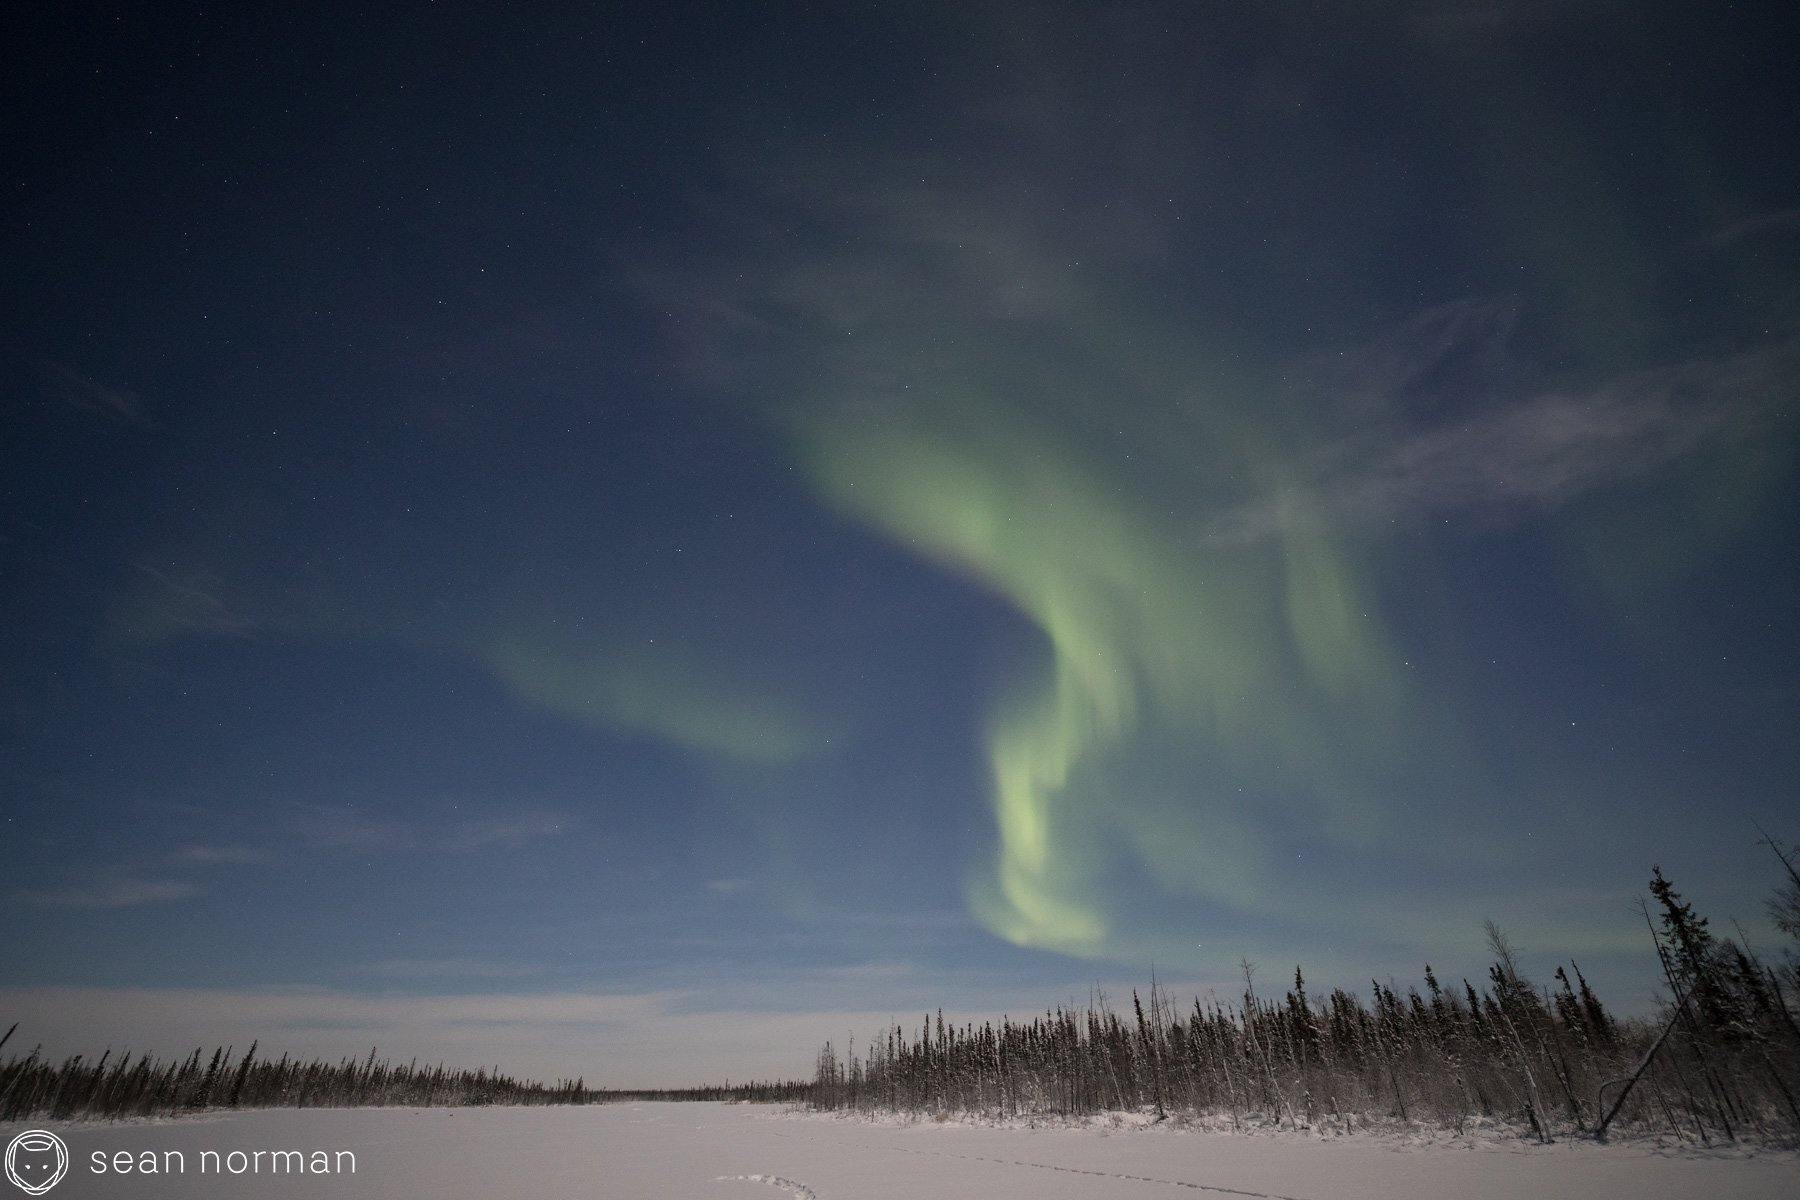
point(37, 1160)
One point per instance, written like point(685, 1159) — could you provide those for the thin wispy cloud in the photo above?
point(229, 855)
point(342, 828)
point(1513, 461)
point(117, 887)
point(112, 893)
point(193, 604)
point(90, 395)
point(1775, 221)
point(446, 968)
point(333, 827)
point(510, 832)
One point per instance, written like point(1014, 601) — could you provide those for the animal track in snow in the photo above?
point(798, 1190)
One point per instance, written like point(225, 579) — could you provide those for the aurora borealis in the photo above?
point(604, 521)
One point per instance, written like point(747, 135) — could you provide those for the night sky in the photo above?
point(631, 539)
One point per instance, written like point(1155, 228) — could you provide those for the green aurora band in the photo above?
point(1253, 670)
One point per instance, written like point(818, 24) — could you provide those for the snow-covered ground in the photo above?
point(744, 1152)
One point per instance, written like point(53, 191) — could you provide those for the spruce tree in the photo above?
point(1692, 953)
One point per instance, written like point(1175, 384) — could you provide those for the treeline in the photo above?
point(1722, 1061)
point(790, 1092)
point(110, 1087)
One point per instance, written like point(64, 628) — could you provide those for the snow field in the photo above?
point(748, 1152)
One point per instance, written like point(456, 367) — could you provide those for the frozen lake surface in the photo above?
point(746, 1152)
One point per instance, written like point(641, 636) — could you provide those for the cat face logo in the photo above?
point(37, 1160)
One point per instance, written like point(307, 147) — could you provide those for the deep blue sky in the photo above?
point(628, 540)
